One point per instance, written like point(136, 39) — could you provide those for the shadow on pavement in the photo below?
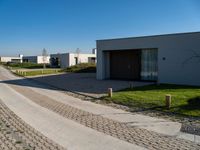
point(84, 83)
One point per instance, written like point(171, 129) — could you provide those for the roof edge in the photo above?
point(148, 36)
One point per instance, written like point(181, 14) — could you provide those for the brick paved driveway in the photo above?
point(86, 83)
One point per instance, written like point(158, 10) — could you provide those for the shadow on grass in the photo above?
point(193, 104)
point(189, 110)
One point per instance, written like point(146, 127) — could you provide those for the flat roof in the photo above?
point(150, 36)
point(73, 53)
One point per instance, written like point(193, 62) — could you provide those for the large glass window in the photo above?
point(149, 64)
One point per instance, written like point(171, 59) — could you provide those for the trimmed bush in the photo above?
point(82, 68)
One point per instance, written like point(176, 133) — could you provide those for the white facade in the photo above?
point(178, 56)
point(36, 59)
point(69, 59)
point(11, 59)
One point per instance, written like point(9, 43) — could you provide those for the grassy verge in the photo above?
point(82, 68)
point(185, 99)
point(32, 69)
point(37, 72)
point(24, 65)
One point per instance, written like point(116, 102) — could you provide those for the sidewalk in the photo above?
point(98, 119)
point(65, 132)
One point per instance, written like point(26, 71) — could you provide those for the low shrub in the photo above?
point(82, 68)
point(25, 65)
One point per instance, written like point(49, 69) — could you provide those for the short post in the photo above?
point(168, 99)
point(109, 92)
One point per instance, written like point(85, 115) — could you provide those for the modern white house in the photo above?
point(170, 58)
point(17, 59)
point(37, 59)
point(65, 60)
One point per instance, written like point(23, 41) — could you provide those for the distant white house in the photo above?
point(17, 59)
point(65, 60)
point(36, 59)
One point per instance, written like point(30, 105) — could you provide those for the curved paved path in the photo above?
point(127, 136)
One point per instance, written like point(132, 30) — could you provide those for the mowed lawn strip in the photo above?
point(185, 99)
point(38, 72)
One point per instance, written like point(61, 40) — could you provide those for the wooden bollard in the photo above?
point(168, 99)
point(110, 92)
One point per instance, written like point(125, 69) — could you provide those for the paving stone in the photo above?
point(140, 137)
point(15, 134)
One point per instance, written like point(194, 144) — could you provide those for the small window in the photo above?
point(91, 59)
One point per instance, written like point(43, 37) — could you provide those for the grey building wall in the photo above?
point(63, 58)
point(181, 53)
point(32, 59)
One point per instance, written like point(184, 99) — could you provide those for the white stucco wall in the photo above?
point(176, 48)
point(40, 60)
point(82, 58)
point(68, 59)
point(10, 59)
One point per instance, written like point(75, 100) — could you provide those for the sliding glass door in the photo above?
point(149, 64)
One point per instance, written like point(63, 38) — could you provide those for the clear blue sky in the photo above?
point(28, 26)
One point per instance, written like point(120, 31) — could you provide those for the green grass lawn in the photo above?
point(32, 69)
point(185, 99)
point(37, 72)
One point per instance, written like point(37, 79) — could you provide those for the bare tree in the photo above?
point(78, 55)
point(44, 57)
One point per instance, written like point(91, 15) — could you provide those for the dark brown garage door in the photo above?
point(125, 64)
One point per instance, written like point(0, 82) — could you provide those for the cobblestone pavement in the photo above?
point(189, 124)
point(15, 134)
point(140, 137)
